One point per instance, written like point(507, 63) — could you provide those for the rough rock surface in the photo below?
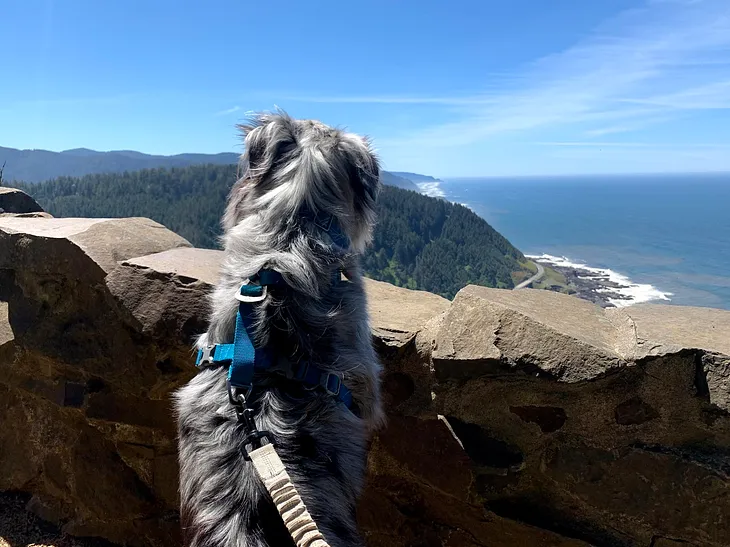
point(610, 426)
point(17, 201)
point(515, 418)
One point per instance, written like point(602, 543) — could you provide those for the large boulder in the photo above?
point(87, 427)
point(514, 418)
point(611, 426)
point(16, 201)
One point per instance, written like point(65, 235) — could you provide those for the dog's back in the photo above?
point(294, 174)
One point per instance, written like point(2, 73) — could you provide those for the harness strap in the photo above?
point(244, 359)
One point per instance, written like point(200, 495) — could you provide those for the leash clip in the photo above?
point(254, 438)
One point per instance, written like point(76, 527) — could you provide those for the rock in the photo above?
point(607, 425)
point(634, 411)
point(104, 241)
point(97, 386)
point(17, 201)
point(514, 417)
point(397, 314)
point(27, 215)
point(495, 330)
point(662, 329)
point(166, 293)
point(6, 333)
point(18, 527)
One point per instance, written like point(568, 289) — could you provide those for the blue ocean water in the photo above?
point(670, 234)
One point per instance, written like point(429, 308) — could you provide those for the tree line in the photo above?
point(420, 242)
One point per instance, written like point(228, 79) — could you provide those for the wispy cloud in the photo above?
point(228, 111)
point(645, 66)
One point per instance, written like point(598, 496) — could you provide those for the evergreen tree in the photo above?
point(420, 242)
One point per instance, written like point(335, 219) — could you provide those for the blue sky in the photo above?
point(467, 88)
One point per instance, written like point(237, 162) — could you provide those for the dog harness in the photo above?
point(243, 358)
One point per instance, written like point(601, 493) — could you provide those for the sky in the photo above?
point(464, 88)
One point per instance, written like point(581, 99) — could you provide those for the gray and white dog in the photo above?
point(289, 168)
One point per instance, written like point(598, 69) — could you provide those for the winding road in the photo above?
point(536, 277)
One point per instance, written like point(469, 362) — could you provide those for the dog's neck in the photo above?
point(329, 224)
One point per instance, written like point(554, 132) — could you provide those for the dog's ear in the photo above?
point(268, 138)
point(254, 146)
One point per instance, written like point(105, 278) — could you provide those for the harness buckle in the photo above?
point(205, 356)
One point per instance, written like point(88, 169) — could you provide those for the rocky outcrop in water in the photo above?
point(515, 418)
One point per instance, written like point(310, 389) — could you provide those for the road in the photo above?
point(536, 277)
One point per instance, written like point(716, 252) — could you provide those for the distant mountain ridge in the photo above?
point(38, 165)
point(415, 177)
point(33, 166)
point(391, 179)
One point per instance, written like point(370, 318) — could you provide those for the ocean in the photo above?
point(663, 238)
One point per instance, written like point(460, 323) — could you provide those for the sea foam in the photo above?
point(627, 292)
point(432, 189)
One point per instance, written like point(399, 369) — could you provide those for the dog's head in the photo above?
point(289, 165)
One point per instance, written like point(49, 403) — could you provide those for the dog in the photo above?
point(297, 179)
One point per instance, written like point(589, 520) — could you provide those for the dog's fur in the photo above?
point(288, 164)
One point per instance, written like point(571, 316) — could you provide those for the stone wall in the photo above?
point(515, 418)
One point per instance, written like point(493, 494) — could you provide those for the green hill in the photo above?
point(420, 242)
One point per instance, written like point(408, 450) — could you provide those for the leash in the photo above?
point(277, 481)
point(243, 359)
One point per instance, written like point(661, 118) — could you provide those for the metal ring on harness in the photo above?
point(246, 298)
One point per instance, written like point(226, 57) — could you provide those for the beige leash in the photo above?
point(298, 521)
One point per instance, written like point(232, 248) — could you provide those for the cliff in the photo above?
point(515, 418)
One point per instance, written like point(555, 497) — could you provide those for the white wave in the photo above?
point(627, 292)
point(432, 189)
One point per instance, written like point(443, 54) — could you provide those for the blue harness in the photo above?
point(243, 358)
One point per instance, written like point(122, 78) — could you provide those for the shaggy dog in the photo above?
point(300, 179)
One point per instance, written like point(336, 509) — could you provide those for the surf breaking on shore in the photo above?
point(432, 189)
point(611, 288)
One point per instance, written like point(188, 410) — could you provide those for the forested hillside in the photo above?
point(420, 242)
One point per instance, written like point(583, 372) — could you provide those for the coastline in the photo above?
point(601, 286)
point(604, 287)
